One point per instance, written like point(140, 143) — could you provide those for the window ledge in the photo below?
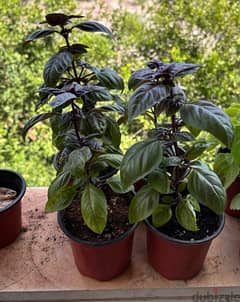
point(39, 266)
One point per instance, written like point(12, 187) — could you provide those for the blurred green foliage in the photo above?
point(197, 31)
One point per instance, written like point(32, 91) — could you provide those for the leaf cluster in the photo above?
point(168, 159)
point(84, 128)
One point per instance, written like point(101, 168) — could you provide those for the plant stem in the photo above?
point(65, 35)
point(174, 129)
point(75, 124)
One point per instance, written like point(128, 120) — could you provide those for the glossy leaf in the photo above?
point(143, 204)
point(112, 133)
point(116, 185)
point(114, 160)
point(145, 97)
point(140, 160)
point(183, 136)
point(236, 145)
point(60, 193)
point(94, 208)
point(196, 150)
point(76, 48)
point(56, 66)
point(77, 161)
point(195, 204)
point(139, 77)
point(62, 100)
point(182, 69)
point(207, 116)
point(40, 33)
point(159, 181)
point(206, 187)
point(109, 78)
point(226, 168)
point(93, 26)
point(235, 203)
point(33, 121)
point(186, 215)
point(161, 215)
point(98, 94)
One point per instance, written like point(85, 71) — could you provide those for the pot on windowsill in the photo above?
point(177, 259)
point(232, 191)
point(101, 260)
point(10, 215)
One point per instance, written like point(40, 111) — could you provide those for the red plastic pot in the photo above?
point(233, 189)
point(102, 261)
point(177, 259)
point(10, 216)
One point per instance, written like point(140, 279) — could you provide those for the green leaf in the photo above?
point(145, 97)
point(186, 215)
point(114, 160)
point(94, 208)
point(56, 66)
point(109, 78)
point(235, 203)
point(206, 187)
point(207, 116)
point(61, 100)
point(34, 120)
point(116, 185)
point(194, 203)
point(141, 159)
point(60, 193)
point(143, 204)
point(93, 26)
point(77, 161)
point(183, 136)
point(226, 168)
point(196, 150)
point(40, 33)
point(161, 215)
point(159, 181)
point(236, 145)
point(171, 161)
point(112, 133)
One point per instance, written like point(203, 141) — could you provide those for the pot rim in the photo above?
point(188, 242)
point(21, 193)
point(91, 243)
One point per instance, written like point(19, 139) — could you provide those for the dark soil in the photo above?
point(207, 221)
point(117, 223)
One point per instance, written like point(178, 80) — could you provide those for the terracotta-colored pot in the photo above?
point(233, 190)
point(177, 259)
point(10, 216)
point(102, 261)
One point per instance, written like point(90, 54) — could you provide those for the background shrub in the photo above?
point(197, 31)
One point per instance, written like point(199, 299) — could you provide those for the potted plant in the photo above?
point(227, 165)
point(182, 200)
point(12, 189)
point(92, 207)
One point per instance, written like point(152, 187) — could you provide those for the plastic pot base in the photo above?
point(10, 216)
point(175, 259)
point(101, 261)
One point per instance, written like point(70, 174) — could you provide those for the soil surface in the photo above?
point(207, 221)
point(117, 222)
